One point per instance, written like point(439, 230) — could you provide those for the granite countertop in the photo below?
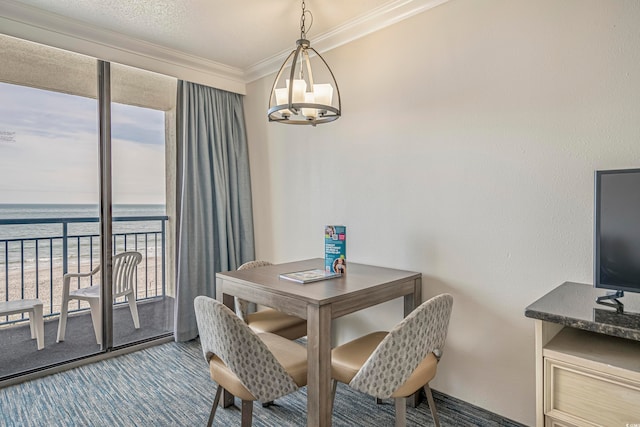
point(574, 304)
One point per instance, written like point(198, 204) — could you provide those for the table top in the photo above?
point(574, 304)
point(359, 279)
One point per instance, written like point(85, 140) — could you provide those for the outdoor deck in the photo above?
point(19, 354)
point(35, 253)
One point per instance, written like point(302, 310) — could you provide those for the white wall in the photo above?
point(466, 151)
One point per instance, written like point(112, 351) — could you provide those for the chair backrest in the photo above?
point(124, 271)
point(423, 331)
point(242, 306)
point(225, 335)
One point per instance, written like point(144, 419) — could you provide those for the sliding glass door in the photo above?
point(80, 141)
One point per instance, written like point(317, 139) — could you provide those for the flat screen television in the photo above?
point(617, 231)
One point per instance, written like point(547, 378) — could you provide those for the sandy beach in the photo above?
point(49, 280)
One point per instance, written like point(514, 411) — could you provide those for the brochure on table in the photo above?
point(335, 249)
point(308, 276)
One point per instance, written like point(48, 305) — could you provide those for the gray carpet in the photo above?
point(169, 385)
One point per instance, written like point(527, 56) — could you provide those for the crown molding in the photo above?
point(354, 29)
point(33, 24)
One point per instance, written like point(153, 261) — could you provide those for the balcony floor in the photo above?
point(18, 352)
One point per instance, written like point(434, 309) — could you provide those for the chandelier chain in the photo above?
point(303, 19)
point(303, 31)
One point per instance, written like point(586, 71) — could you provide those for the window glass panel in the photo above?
point(48, 199)
point(143, 105)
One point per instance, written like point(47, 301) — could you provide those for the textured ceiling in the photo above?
point(237, 33)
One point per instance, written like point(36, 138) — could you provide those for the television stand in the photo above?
point(586, 358)
point(604, 300)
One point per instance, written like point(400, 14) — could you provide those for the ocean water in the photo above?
point(21, 245)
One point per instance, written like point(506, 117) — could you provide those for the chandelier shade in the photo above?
point(295, 97)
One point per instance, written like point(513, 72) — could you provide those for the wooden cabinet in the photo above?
point(590, 379)
point(587, 359)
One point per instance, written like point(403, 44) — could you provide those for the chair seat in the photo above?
point(291, 355)
point(274, 321)
point(422, 375)
point(92, 292)
point(86, 293)
point(347, 359)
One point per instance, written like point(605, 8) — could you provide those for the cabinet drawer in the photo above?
point(552, 422)
point(587, 397)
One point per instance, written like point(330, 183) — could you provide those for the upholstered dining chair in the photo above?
point(123, 285)
point(251, 366)
point(398, 363)
point(268, 319)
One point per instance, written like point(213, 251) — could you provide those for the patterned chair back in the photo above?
point(423, 331)
point(225, 335)
point(242, 306)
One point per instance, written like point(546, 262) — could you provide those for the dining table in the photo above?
point(360, 287)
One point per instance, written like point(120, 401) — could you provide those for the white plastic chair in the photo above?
point(124, 269)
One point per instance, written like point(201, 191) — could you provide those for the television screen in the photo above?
point(617, 230)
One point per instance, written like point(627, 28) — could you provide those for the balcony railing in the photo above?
point(34, 266)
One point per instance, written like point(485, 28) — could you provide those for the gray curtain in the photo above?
point(214, 213)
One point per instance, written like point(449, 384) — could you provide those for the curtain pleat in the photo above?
point(214, 213)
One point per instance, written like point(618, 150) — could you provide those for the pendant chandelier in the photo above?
point(304, 102)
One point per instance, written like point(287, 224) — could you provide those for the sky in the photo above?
point(49, 149)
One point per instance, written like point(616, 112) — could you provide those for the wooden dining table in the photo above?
point(319, 303)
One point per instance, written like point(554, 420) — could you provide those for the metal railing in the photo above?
point(34, 266)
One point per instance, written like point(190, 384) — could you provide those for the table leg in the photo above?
point(319, 365)
point(412, 301)
point(39, 325)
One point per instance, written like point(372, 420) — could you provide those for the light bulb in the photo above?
point(309, 113)
point(323, 93)
point(299, 89)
